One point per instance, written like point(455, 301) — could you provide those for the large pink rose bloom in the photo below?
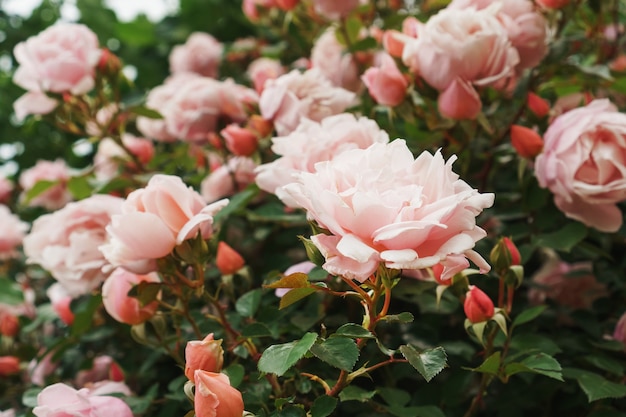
point(314, 142)
point(12, 232)
point(154, 220)
point(201, 54)
point(381, 205)
point(60, 400)
point(335, 62)
point(59, 59)
point(66, 242)
point(584, 164)
point(294, 96)
point(55, 196)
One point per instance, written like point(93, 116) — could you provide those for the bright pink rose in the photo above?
point(33, 102)
point(61, 302)
point(294, 96)
point(154, 220)
point(385, 83)
point(110, 156)
point(228, 179)
point(57, 195)
point(619, 333)
point(66, 242)
point(314, 142)
point(263, 69)
point(201, 54)
point(12, 232)
point(335, 62)
point(119, 304)
point(60, 400)
point(215, 397)
point(205, 355)
point(333, 9)
point(383, 206)
point(584, 164)
point(61, 58)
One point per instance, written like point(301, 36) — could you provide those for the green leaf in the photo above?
point(256, 330)
point(354, 393)
point(10, 292)
point(83, 315)
point(595, 386)
point(534, 342)
point(394, 396)
point(145, 112)
point(79, 187)
point(145, 292)
point(405, 317)
point(295, 294)
point(248, 304)
point(323, 406)
point(236, 203)
point(428, 363)
point(235, 373)
point(564, 239)
point(354, 331)
point(490, 365)
point(539, 364)
point(277, 359)
point(29, 398)
point(606, 364)
point(339, 352)
point(295, 280)
point(139, 33)
point(528, 315)
point(40, 187)
point(140, 405)
point(429, 411)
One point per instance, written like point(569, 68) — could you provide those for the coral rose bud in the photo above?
point(437, 273)
point(119, 304)
point(537, 105)
point(239, 141)
point(386, 84)
point(228, 260)
point(214, 397)
point(394, 41)
point(9, 365)
point(478, 306)
point(61, 301)
point(552, 4)
point(526, 141)
point(9, 325)
point(459, 101)
point(203, 355)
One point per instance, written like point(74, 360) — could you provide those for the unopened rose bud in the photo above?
point(537, 105)
point(287, 5)
point(109, 64)
point(459, 101)
point(239, 141)
point(516, 258)
point(204, 355)
point(9, 325)
point(553, 4)
point(215, 397)
point(260, 125)
point(9, 365)
point(504, 255)
point(119, 304)
point(228, 260)
point(394, 41)
point(526, 141)
point(478, 306)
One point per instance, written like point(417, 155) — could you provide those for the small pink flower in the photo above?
point(619, 333)
point(201, 54)
point(60, 400)
point(119, 304)
point(385, 83)
point(57, 195)
point(103, 368)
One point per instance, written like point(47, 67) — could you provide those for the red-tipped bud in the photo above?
point(516, 258)
point(526, 142)
point(261, 126)
point(478, 306)
point(116, 373)
point(537, 105)
point(228, 260)
point(9, 365)
point(9, 325)
point(109, 64)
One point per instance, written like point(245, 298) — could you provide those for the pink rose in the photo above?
point(110, 156)
point(61, 302)
point(459, 101)
point(62, 58)
point(294, 96)
point(7, 413)
point(205, 355)
point(66, 242)
point(33, 102)
point(154, 220)
point(240, 141)
point(12, 232)
point(335, 62)
point(60, 400)
point(55, 196)
point(333, 9)
point(103, 368)
point(383, 206)
point(314, 142)
point(228, 179)
point(201, 54)
point(215, 397)
point(385, 83)
point(619, 333)
point(583, 164)
point(263, 69)
point(119, 304)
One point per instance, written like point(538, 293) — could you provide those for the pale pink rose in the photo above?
point(215, 397)
point(263, 69)
point(584, 164)
point(57, 195)
point(154, 220)
point(468, 45)
point(201, 54)
point(61, 302)
point(333, 9)
point(106, 387)
point(62, 58)
point(569, 285)
point(335, 62)
point(119, 304)
point(228, 179)
point(6, 188)
point(110, 157)
point(526, 27)
point(12, 232)
point(7, 413)
point(302, 267)
point(103, 369)
point(382, 206)
point(385, 83)
point(39, 370)
point(66, 242)
point(619, 333)
point(60, 400)
point(314, 142)
point(33, 102)
point(294, 96)
point(237, 101)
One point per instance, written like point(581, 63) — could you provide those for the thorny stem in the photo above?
point(485, 378)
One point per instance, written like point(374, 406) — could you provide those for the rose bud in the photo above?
point(537, 105)
point(459, 101)
point(119, 304)
point(478, 306)
point(239, 141)
point(9, 365)
point(394, 41)
point(526, 141)
point(385, 83)
point(287, 5)
point(215, 397)
point(553, 4)
point(9, 324)
point(61, 303)
point(204, 355)
point(228, 260)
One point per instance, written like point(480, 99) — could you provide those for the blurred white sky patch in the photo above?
point(126, 10)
